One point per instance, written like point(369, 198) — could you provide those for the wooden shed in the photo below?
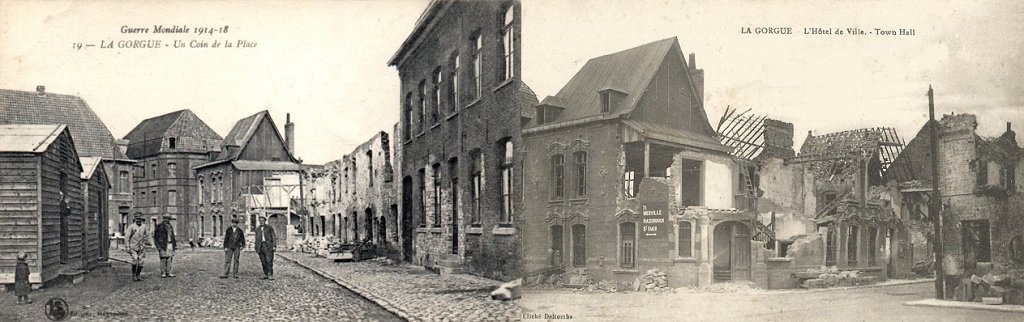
point(94, 232)
point(41, 206)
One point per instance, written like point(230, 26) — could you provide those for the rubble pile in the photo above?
point(653, 280)
point(211, 242)
point(832, 276)
point(320, 246)
point(603, 287)
point(991, 289)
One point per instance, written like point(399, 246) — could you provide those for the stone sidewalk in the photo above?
point(414, 293)
point(967, 305)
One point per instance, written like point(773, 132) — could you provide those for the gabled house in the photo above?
point(167, 147)
point(254, 174)
point(92, 139)
point(625, 173)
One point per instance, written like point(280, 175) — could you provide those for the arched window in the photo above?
point(407, 125)
point(436, 94)
point(422, 93)
point(476, 166)
point(557, 177)
point(685, 239)
point(436, 175)
point(627, 242)
point(507, 185)
point(581, 173)
point(476, 42)
point(508, 41)
point(579, 245)
point(453, 83)
point(556, 245)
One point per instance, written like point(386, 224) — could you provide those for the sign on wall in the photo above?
point(654, 198)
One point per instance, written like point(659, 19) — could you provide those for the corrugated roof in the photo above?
point(147, 137)
point(674, 135)
point(629, 71)
point(91, 136)
point(247, 165)
point(32, 138)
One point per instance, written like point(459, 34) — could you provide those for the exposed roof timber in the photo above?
point(743, 132)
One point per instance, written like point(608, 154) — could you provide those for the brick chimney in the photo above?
point(697, 75)
point(41, 90)
point(289, 133)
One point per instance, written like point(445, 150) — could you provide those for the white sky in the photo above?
point(326, 62)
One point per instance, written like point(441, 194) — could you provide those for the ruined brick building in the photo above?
point(255, 174)
point(625, 174)
point(353, 198)
point(91, 136)
point(167, 147)
point(982, 230)
point(462, 104)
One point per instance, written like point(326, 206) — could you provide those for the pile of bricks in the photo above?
point(832, 276)
point(991, 289)
point(653, 280)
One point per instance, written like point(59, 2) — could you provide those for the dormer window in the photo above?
point(549, 109)
point(610, 99)
point(172, 143)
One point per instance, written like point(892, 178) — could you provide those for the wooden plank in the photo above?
point(17, 186)
point(18, 207)
point(18, 193)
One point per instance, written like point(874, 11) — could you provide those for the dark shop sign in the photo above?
point(653, 221)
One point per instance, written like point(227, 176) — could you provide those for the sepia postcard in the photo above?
point(511, 160)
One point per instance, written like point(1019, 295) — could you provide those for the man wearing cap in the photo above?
point(163, 238)
point(265, 243)
point(234, 241)
point(135, 237)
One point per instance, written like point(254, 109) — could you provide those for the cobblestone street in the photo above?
point(416, 294)
point(197, 294)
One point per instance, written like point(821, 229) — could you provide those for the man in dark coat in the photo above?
point(234, 242)
point(265, 243)
point(166, 244)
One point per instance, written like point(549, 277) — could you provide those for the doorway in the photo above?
point(556, 246)
point(277, 222)
point(731, 252)
point(407, 221)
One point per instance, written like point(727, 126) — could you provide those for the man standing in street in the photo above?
point(135, 239)
point(234, 242)
point(265, 243)
point(163, 238)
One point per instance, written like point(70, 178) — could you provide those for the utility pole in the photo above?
point(935, 202)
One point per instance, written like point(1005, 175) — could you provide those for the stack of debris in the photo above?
point(548, 276)
point(831, 276)
point(578, 277)
point(652, 280)
point(991, 289)
point(211, 242)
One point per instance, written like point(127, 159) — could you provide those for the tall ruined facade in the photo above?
point(462, 109)
point(353, 198)
point(981, 199)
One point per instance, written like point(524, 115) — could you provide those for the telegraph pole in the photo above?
point(935, 202)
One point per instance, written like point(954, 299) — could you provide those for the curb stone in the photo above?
point(358, 291)
point(966, 305)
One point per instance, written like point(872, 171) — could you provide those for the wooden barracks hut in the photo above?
point(41, 206)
